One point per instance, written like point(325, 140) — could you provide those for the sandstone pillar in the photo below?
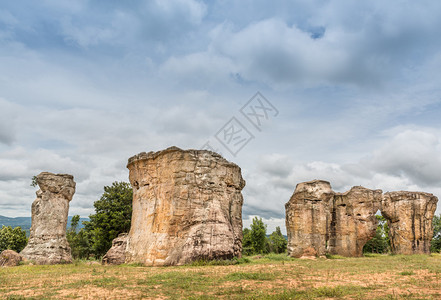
point(353, 220)
point(47, 241)
point(187, 205)
point(409, 216)
point(308, 217)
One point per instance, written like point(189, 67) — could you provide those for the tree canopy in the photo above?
point(113, 213)
point(277, 241)
point(255, 240)
point(12, 238)
point(380, 242)
point(436, 241)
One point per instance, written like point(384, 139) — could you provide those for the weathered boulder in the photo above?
point(409, 216)
point(47, 241)
point(187, 205)
point(117, 253)
point(308, 218)
point(353, 220)
point(9, 258)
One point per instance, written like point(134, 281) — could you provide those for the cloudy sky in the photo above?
point(353, 90)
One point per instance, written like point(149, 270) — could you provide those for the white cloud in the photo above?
point(85, 85)
point(407, 160)
point(7, 122)
point(271, 224)
point(201, 70)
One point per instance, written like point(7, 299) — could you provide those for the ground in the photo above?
point(267, 277)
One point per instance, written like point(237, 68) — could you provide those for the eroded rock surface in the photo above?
point(10, 258)
point(329, 222)
point(409, 216)
point(353, 220)
point(342, 223)
point(187, 205)
point(117, 253)
point(308, 218)
point(47, 241)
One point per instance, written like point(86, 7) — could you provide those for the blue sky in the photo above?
point(84, 85)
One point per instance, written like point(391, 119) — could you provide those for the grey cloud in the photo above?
point(406, 160)
point(414, 154)
point(276, 165)
point(7, 134)
point(363, 50)
point(7, 122)
point(110, 26)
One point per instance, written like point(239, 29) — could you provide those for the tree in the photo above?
point(258, 236)
point(277, 241)
point(436, 240)
point(380, 242)
point(247, 248)
point(12, 239)
point(113, 213)
point(79, 241)
point(34, 181)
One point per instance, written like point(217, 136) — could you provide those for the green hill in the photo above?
point(25, 222)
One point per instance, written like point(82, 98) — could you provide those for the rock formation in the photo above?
point(409, 216)
point(308, 217)
point(9, 258)
point(342, 223)
point(47, 241)
point(187, 205)
point(329, 222)
point(353, 220)
point(117, 254)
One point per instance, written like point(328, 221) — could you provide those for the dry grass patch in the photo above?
point(266, 277)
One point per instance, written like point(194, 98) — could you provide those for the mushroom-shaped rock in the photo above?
point(187, 205)
point(47, 241)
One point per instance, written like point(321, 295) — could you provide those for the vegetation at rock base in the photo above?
point(12, 238)
point(277, 241)
point(113, 212)
point(255, 240)
point(436, 241)
point(79, 240)
point(380, 243)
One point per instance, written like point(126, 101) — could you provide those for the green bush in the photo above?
point(12, 238)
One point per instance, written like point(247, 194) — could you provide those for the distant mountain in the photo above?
point(25, 222)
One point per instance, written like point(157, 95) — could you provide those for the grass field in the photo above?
point(267, 277)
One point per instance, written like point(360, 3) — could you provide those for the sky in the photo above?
point(349, 91)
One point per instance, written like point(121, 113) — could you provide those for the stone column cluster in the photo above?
point(341, 223)
point(187, 206)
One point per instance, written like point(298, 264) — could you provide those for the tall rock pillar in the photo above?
point(187, 205)
point(409, 216)
point(353, 220)
point(308, 217)
point(47, 241)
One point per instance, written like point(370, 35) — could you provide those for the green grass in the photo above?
point(333, 256)
point(274, 276)
point(221, 262)
point(406, 273)
point(249, 276)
